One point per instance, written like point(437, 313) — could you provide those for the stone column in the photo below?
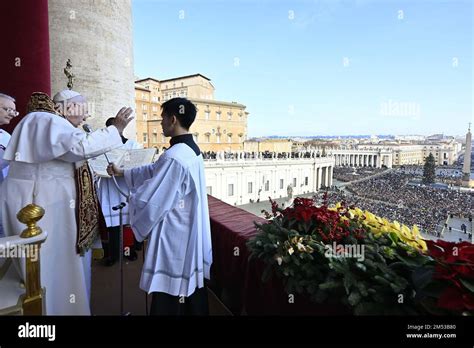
point(97, 37)
point(314, 186)
point(322, 178)
point(330, 176)
point(318, 180)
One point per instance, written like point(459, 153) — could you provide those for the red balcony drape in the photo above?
point(24, 54)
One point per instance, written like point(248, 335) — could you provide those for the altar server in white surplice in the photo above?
point(48, 167)
point(7, 112)
point(168, 205)
point(109, 197)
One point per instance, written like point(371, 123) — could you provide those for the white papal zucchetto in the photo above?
point(65, 95)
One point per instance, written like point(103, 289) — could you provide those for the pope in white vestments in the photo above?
point(168, 205)
point(44, 151)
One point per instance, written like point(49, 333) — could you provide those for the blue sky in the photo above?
point(320, 67)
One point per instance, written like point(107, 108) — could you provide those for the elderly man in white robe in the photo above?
point(168, 205)
point(109, 197)
point(7, 112)
point(47, 154)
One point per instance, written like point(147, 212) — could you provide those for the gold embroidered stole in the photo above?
point(88, 213)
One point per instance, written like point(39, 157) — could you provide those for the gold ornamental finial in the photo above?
point(70, 76)
point(29, 216)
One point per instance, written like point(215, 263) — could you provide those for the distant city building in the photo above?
point(439, 137)
point(270, 145)
point(409, 137)
point(367, 157)
point(241, 181)
point(444, 153)
point(219, 125)
point(392, 153)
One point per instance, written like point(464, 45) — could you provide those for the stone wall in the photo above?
point(97, 36)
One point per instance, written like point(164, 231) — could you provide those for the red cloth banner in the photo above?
point(25, 57)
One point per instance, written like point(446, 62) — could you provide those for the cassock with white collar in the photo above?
point(168, 205)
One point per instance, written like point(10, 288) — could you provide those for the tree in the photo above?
point(429, 170)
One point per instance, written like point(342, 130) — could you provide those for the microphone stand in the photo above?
point(120, 207)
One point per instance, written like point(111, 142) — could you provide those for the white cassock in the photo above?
point(109, 196)
point(4, 139)
point(43, 151)
point(169, 206)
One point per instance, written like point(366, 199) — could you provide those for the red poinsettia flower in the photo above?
point(464, 270)
point(305, 202)
point(303, 213)
point(274, 206)
point(451, 252)
point(466, 253)
point(455, 299)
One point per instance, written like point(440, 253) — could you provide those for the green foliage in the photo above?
point(371, 283)
point(429, 170)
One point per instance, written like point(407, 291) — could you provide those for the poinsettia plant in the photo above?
point(446, 284)
point(333, 255)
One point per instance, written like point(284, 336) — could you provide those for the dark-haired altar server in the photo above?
point(169, 206)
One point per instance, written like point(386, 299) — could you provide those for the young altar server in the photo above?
point(168, 205)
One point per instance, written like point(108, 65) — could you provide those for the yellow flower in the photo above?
point(378, 225)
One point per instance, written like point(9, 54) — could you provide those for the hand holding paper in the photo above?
point(123, 159)
point(113, 170)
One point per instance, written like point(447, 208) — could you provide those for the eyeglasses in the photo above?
point(11, 111)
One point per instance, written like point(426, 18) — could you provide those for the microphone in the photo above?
point(87, 128)
point(120, 206)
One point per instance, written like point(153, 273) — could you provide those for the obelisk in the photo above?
point(466, 169)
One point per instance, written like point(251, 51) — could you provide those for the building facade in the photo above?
point(219, 125)
point(362, 157)
point(407, 155)
point(270, 145)
point(443, 153)
point(241, 181)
